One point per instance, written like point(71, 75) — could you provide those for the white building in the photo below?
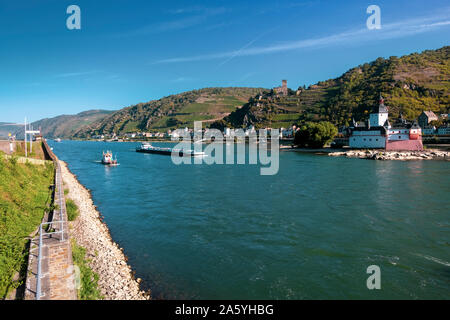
point(227, 132)
point(250, 130)
point(378, 133)
point(368, 139)
point(373, 135)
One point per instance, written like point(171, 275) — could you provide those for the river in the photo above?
point(308, 232)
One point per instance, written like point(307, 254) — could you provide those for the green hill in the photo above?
point(66, 126)
point(179, 110)
point(409, 84)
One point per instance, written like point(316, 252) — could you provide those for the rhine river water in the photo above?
point(309, 232)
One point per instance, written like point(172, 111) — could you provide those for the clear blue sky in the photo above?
point(135, 51)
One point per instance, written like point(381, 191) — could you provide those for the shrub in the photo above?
point(72, 210)
point(13, 160)
point(88, 279)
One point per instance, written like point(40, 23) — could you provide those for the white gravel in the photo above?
point(107, 259)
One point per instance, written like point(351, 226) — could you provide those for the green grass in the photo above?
point(88, 279)
point(286, 117)
point(130, 126)
point(72, 210)
point(38, 152)
point(223, 105)
point(197, 108)
point(24, 198)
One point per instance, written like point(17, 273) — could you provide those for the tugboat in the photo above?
point(148, 148)
point(107, 159)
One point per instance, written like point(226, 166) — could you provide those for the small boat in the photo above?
point(107, 159)
point(58, 140)
point(148, 148)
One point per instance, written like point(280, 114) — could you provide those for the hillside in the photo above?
point(409, 84)
point(179, 110)
point(6, 128)
point(66, 126)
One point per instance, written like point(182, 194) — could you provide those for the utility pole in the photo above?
point(31, 132)
point(31, 140)
point(26, 155)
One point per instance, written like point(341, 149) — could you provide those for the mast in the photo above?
point(31, 140)
point(26, 137)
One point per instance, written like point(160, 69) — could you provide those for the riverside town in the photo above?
point(224, 159)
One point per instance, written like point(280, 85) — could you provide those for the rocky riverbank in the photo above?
point(394, 155)
point(106, 258)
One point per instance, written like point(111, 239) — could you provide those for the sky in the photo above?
point(128, 52)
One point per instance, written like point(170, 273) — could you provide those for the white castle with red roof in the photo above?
point(377, 133)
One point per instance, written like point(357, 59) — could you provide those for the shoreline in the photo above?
point(106, 258)
point(429, 154)
point(375, 154)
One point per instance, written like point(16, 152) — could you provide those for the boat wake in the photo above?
point(430, 258)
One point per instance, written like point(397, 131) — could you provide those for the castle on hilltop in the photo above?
point(283, 90)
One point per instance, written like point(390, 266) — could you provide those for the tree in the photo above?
point(173, 122)
point(315, 135)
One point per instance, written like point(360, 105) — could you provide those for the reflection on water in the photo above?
point(309, 232)
point(415, 167)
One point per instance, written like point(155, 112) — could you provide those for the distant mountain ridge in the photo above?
point(66, 126)
point(6, 128)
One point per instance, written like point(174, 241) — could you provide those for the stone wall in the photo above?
point(404, 145)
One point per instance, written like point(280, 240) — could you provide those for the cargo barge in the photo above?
point(148, 148)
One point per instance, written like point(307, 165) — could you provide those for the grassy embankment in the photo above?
point(37, 150)
point(88, 289)
point(25, 196)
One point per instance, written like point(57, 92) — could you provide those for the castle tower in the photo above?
point(379, 118)
point(283, 90)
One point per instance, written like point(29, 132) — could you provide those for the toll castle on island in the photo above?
point(377, 132)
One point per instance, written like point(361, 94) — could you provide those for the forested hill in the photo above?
point(179, 110)
point(66, 126)
point(409, 84)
